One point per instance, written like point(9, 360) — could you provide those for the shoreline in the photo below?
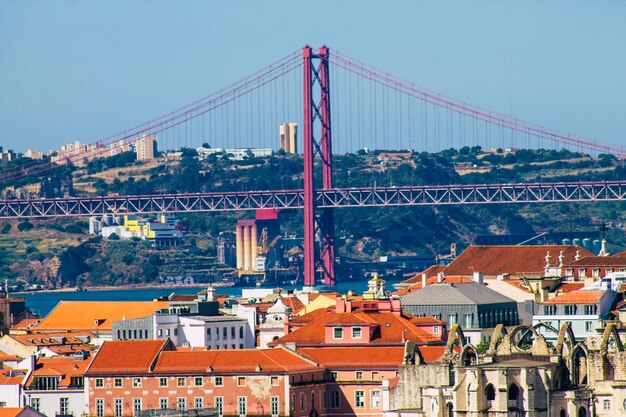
point(125, 287)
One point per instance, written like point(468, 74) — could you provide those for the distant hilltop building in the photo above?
point(289, 137)
point(6, 156)
point(81, 153)
point(236, 154)
point(165, 231)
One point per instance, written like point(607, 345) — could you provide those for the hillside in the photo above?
point(33, 253)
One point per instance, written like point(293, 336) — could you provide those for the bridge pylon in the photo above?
point(317, 114)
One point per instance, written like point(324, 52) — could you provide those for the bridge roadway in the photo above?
point(336, 198)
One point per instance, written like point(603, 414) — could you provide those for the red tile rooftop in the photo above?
point(577, 297)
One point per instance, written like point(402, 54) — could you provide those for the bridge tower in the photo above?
point(317, 114)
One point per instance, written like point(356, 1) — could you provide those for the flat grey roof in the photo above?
point(468, 293)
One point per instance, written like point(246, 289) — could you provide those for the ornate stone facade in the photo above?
point(519, 374)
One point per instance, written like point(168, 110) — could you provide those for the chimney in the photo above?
point(340, 305)
point(424, 280)
point(349, 305)
point(478, 277)
point(396, 305)
point(440, 277)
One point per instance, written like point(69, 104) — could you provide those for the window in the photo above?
point(208, 334)
point(513, 392)
point(225, 333)
point(313, 399)
point(163, 382)
point(359, 399)
point(217, 334)
point(117, 382)
point(136, 405)
point(293, 402)
point(241, 381)
point(232, 332)
point(358, 375)
point(570, 310)
point(334, 375)
point(181, 403)
point(99, 382)
point(356, 332)
point(549, 310)
point(219, 406)
point(375, 376)
point(468, 321)
point(219, 381)
point(137, 382)
point(274, 406)
point(163, 403)
point(302, 401)
point(274, 381)
point(490, 392)
point(581, 274)
point(325, 399)
point(588, 326)
point(452, 319)
point(118, 407)
point(35, 403)
point(435, 329)
point(240, 345)
point(168, 332)
point(181, 381)
point(241, 332)
point(591, 309)
point(160, 332)
point(595, 273)
point(375, 399)
point(338, 333)
point(606, 404)
point(198, 403)
point(198, 382)
point(334, 399)
point(175, 332)
point(99, 407)
point(64, 405)
point(243, 406)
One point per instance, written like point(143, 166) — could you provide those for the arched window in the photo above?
point(490, 392)
point(513, 392)
point(582, 412)
point(562, 413)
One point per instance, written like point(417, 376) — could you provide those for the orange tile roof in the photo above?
point(577, 297)
point(389, 329)
point(11, 411)
point(25, 324)
point(10, 376)
point(127, 357)
point(230, 361)
point(292, 302)
point(432, 353)
point(374, 357)
point(517, 284)
point(82, 315)
point(59, 366)
point(421, 321)
point(527, 260)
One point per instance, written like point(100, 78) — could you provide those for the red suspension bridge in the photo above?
point(371, 109)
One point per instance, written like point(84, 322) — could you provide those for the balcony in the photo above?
point(175, 412)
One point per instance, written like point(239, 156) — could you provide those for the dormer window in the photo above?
point(356, 332)
point(338, 333)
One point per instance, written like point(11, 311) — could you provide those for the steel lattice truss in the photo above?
point(332, 198)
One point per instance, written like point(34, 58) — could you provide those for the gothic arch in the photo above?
point(523, 331)
point(580, 365)
point(566, 335)
point(455, 333)
point(498, 334)
point(545, 325)
point(611, 340)
point(469, 355)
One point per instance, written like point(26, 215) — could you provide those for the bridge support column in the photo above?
point(317, 76)
point(239, 245)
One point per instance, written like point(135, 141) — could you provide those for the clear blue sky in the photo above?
point(85, 69)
